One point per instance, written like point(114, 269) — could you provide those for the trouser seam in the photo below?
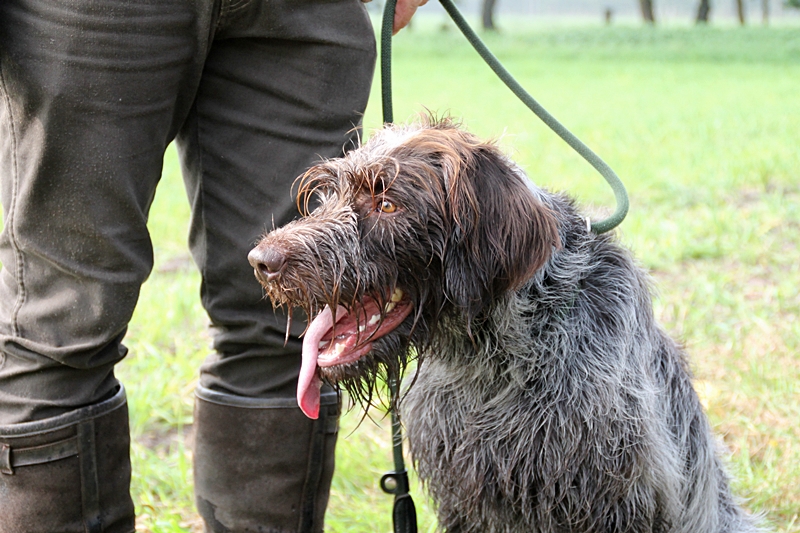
point(201, 203)
point(224, 8)
point(11, 215)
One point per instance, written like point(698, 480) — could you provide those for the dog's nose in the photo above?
point(268, 262)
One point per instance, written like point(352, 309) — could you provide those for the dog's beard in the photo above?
point(364, 380)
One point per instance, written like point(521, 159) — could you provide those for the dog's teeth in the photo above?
point(374, 319)
point(389, 307)
point(361, 329)
point(397, 295)
point(323, 344)
point(338, 348)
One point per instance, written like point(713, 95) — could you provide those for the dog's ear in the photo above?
point(501, 233)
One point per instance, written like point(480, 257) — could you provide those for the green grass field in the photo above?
point(702, 124)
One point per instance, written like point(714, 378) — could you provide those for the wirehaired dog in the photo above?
point(546, 399)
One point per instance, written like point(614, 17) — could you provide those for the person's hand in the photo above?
point(403, 12)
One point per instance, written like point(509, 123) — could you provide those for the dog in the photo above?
point(546, 397)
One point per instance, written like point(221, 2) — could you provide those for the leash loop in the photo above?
point(620, 194)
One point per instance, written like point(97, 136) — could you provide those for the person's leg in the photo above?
point(90, 95)
point(285, 83)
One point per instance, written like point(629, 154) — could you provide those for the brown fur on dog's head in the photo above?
point(489, 234)
point(498, 233)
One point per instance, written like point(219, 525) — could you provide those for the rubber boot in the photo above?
point(261, 464)
point(68, 474)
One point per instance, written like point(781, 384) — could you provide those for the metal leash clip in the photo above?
point(404, 514)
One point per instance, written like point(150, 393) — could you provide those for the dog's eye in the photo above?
point(387, 207)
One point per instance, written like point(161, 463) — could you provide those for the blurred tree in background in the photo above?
point(487, 14)
point(647, 11)
point(703, 10)
point(740, 11)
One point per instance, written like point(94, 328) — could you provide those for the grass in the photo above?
point(701, 123)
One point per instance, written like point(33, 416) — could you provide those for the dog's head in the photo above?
point(422, 222)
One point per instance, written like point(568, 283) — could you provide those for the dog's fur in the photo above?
point(547, 399)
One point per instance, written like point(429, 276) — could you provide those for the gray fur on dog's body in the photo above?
point(570, 411)
point(547, 398)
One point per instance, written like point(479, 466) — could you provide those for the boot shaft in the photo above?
point(69, 473)
point(261, 464)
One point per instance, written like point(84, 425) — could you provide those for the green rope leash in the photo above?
point(386, 60)
point(404, 513)
point(576, 144)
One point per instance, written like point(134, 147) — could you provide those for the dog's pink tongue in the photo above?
point(308, 384)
